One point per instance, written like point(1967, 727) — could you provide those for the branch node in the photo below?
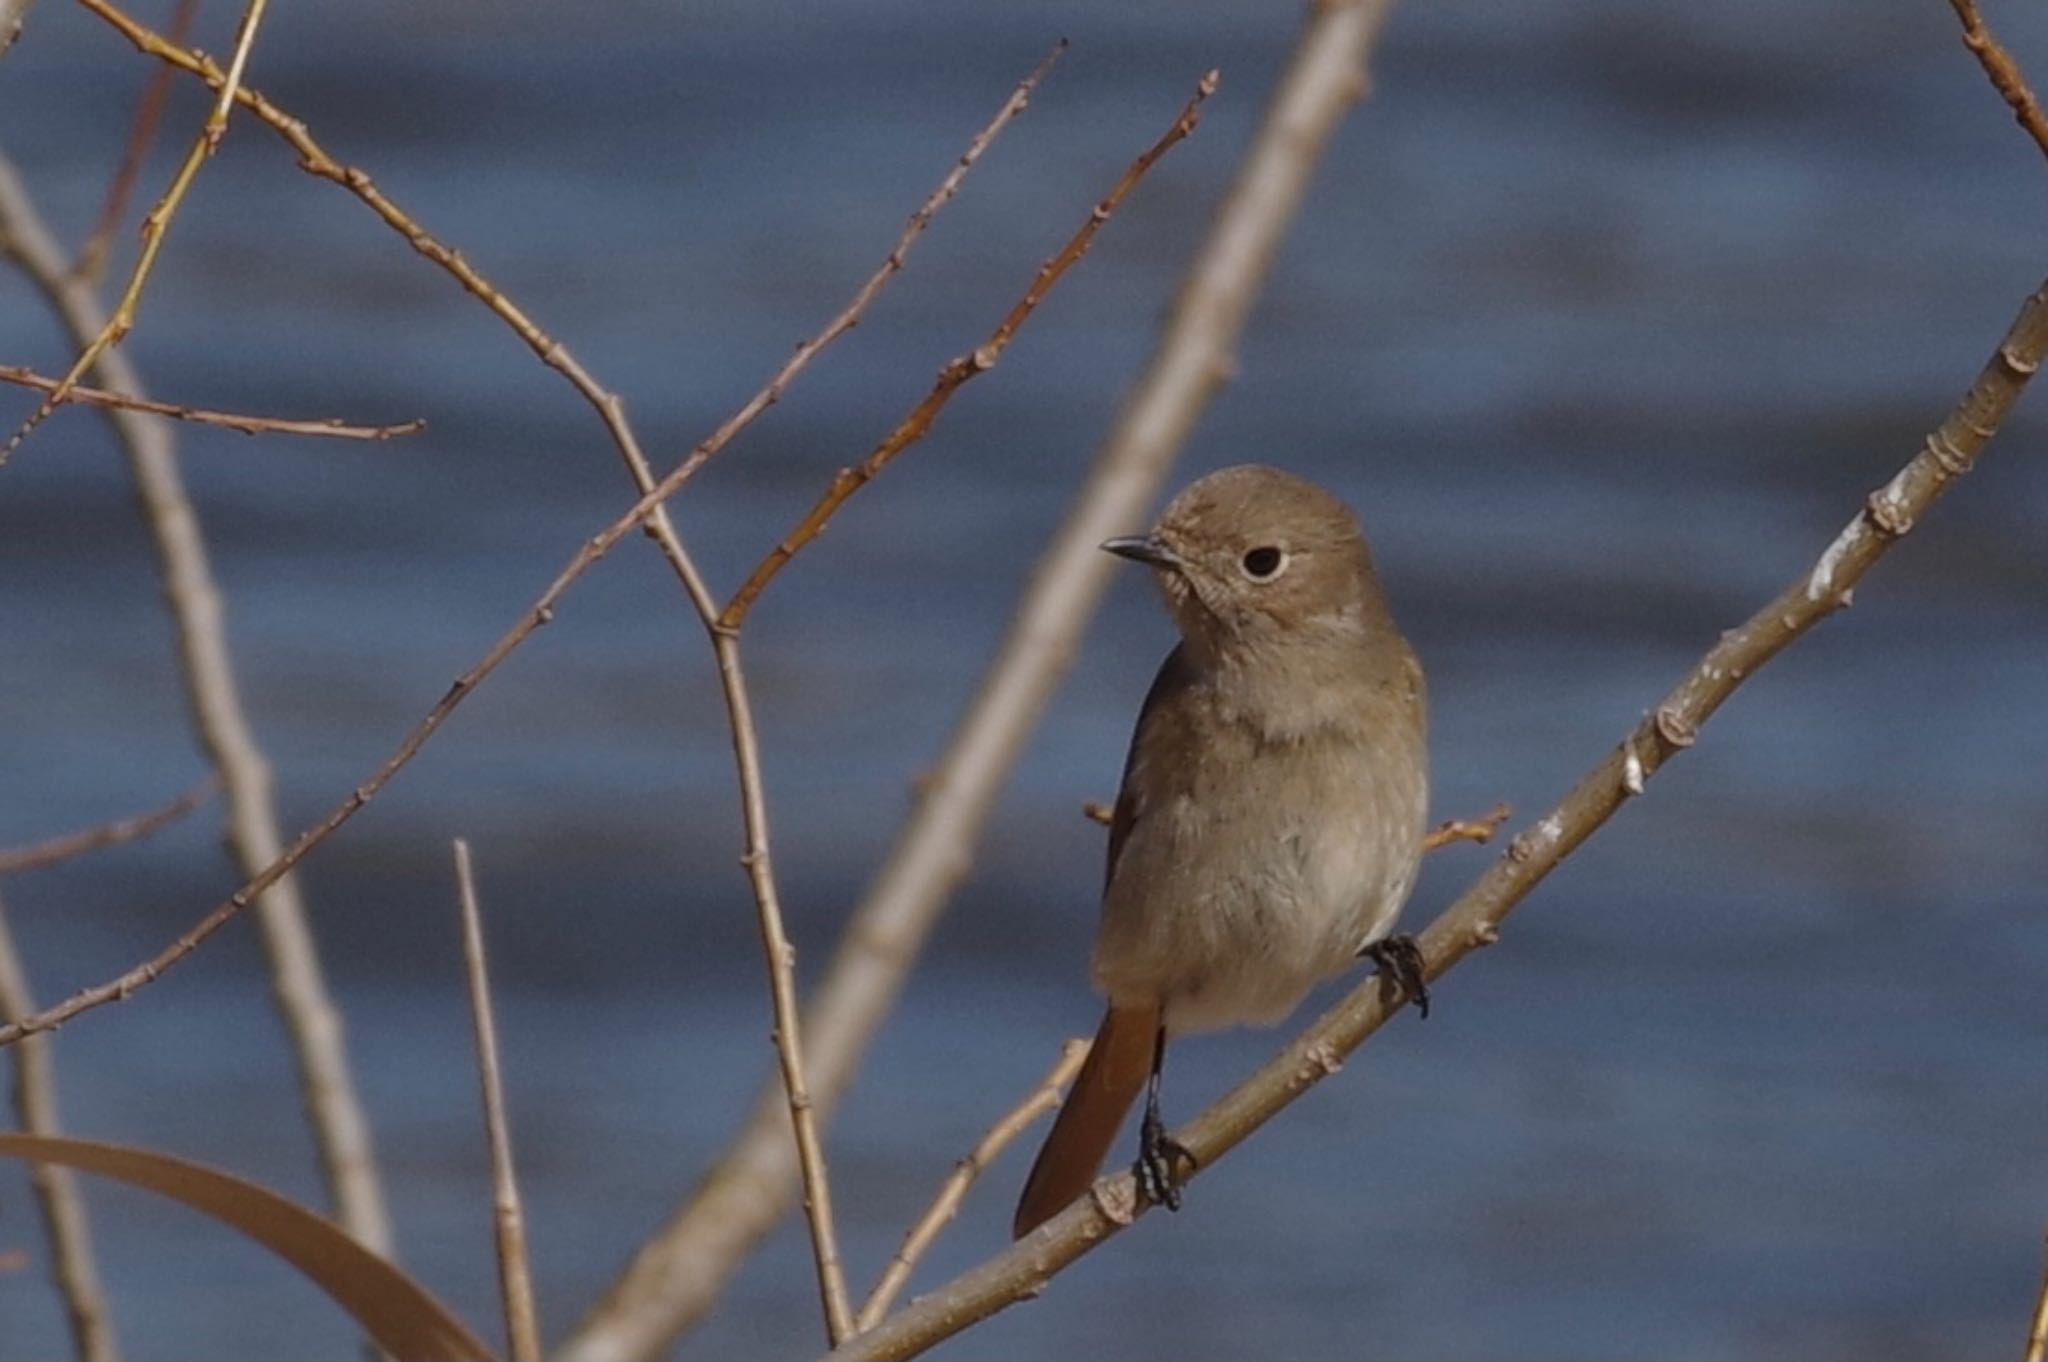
point(1887, 511)
point(1631, 767)
point(1116, 1198)
point(1675, 728)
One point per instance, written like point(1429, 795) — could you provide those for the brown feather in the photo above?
point(1115, 1071)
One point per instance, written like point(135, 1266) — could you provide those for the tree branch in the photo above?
point(156, 224)
point(680, 1272)
point(41, 855)
point(515, 1276)
point(73, 1269)
point(946, 1205)
point(340, 1129)
point(1474, 919)
point(956, 374)
point(333, 426)
point(2005, 74)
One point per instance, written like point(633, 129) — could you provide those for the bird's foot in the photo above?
point(1399, 960)
point(1161, 1160)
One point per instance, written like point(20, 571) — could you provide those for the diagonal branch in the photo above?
point(679, 1273)
point(515, 1274)
point(956, 374)
point(1473, 920)
point(156, 224)
point(55, 850)
point(530, 621)
point(221, 723)
point(73, 1268)
point(141, 135)
point(2005, 74)
point(946, 1205)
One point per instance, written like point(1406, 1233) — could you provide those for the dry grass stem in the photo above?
point(156, 225)
point(2006, 76)
point(41, 855)
point(332, 427)
point(73, 1269)
point(214, 697)
point(1480, 829)
point(92, 256)
point(515, 1278)
point(1471, 922)
point(680, 1272)
point(956, 374)
point(947, 1204)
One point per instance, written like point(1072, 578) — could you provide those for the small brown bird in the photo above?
point(1271, 816)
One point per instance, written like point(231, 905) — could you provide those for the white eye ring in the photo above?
point(1263, 563)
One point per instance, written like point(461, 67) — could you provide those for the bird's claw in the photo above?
point(1161, 1159)
point(1400, 960)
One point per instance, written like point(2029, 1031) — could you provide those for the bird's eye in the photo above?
point(1263, 564)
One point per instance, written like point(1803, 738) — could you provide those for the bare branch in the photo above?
point(2006, 76)
point(515, 1277)
point(536, 615)
point(955, 375)
point(332, 426)
point(92, 256)
point(2037, 1334)
point(156, 224)
point(1480, 829)
point(214, 697)
point(73, 1269)
point(42, 855)
point(947, 1204)
point(1474, 919)
point(679, 1273)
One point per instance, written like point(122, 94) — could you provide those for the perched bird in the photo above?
point(1270, 821)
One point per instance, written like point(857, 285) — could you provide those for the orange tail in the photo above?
point(1116, 1069)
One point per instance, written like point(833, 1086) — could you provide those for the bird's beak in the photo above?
point(1143, 548)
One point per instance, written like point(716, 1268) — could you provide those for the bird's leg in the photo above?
point(1399, 960)
point(1159, 1154)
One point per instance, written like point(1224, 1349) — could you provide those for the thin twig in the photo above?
point(333, 426)
point(781, 957)
point(92, 256)
point(340, 1129)
point(679, 1273)
point(947, 1204)
point(315, 160)
point(649, 508)
point(2037, 1335)
point(73, 1269)
point(539, 613)
point(41, 855)
point(156, 224)
point(918, 423)
point(1480, 829)
point(1474, 919)
point(2004, 72)
point(515, 1278)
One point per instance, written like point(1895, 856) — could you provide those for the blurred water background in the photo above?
point(1604, 315)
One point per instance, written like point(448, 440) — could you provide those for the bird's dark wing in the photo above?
point(1175, 675)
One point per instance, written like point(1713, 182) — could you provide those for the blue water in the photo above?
point(1605, 316)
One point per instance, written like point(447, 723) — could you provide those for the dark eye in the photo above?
point(1262, 564)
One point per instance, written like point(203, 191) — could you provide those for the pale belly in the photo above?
point(1230, 915)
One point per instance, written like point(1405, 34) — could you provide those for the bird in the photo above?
point(1270, 820)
